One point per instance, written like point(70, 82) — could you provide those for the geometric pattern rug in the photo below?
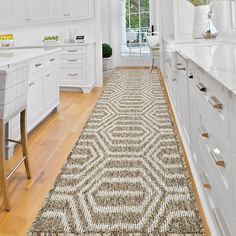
point(126, 174)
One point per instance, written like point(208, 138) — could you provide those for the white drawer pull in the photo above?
point(179, 66)
point(52, 59)
point(217, 157)
point(73, 50)
point(202, 87)
point(205, 181)
point(220, 220)
point(73, 60)
point(203, 132)
point(215, 102)
point(70, 74)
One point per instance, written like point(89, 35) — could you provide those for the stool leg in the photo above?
point(3, 178)
point(25, 142)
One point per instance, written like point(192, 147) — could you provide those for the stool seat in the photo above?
point(13, 101)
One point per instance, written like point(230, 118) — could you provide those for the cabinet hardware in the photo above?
point(75, 74)
point(215, 102)
point(52, 59)
point(73, 60)
point(220, 220)
point(47, 75)
point(190, 76)
point(174, 80)
point(201, 87)
point(37, 65)
point(179, 66)
point(217, 157)
point(73, 50)
point(65, 14)
point(31, 84)
point(205, 181)
point(203, 132)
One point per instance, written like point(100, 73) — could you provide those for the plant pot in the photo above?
point(200, 21)
point(106, 64)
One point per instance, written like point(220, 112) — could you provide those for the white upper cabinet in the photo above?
point(5, 12)
point(37, 10)
point(56, 9)
point(19, 12)
point(77, 8)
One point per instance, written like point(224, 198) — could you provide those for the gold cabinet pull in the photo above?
point(179, 66)
point(203, 131)
point(205, 181)
point(216, 103)
point(217, 157)
point(201, 87)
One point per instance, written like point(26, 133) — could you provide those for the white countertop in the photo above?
point(53, 45)
point(219, 61)
point(11, 57)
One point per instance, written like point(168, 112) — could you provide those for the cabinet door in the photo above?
point(5, 12)
point(20, 11)
point(51, 89)
point(37, 10)
point(56, 9)
point(35, 100)
point(79, 8)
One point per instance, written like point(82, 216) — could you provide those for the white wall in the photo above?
point(105, 6)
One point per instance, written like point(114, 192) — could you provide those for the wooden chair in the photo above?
point(10, 106)
point(153, 41)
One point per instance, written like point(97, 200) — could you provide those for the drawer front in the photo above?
point(75, 50)
point(217, 153)
point(37, 65)
point(72, 58)
point(232, 102)
point(52, 60)
point(213, 101)
point(72, 76)
point(219, 209)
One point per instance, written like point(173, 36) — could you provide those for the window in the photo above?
point(135, 23)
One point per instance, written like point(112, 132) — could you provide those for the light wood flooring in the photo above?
point(49, 146)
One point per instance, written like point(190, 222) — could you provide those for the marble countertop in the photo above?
point(53, 45)
point(219, 61)
point(11, 57)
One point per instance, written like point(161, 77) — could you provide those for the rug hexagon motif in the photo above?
point(126, 174)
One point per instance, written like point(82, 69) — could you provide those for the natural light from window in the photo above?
point(135, 23)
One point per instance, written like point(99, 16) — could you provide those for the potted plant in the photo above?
point(201, 16)
point(106, 54)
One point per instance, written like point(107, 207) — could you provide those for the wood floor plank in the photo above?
point(49, 146)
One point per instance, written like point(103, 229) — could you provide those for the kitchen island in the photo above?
point(43, 86)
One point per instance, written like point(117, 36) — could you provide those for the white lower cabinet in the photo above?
point(77, 68)
point(206, 113)
point(43, 95)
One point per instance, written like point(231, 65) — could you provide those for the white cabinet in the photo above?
point(79, 9)
point(77, 65)
point(36, 99)
point(5, 12)
point(206, 117)
point(177, 19)
point(37, 10)
point(56, 9)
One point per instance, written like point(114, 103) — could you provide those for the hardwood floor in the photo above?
point(49, 146)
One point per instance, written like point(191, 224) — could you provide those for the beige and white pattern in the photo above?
point(126, 174)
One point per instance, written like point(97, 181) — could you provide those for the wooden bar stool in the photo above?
point(13, 101)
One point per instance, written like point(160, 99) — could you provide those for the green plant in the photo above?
point(199, 2)
point(106, 50)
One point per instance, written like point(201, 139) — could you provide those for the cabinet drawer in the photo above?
point(75, 50)
point(213, 101)
point(52, 60)
point(72, 76)
point(37, 65)
point(220, 208)
point(181, 63)
point(217, 153)
point(72, 58)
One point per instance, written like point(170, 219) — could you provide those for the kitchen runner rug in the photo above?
point(126, 174)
